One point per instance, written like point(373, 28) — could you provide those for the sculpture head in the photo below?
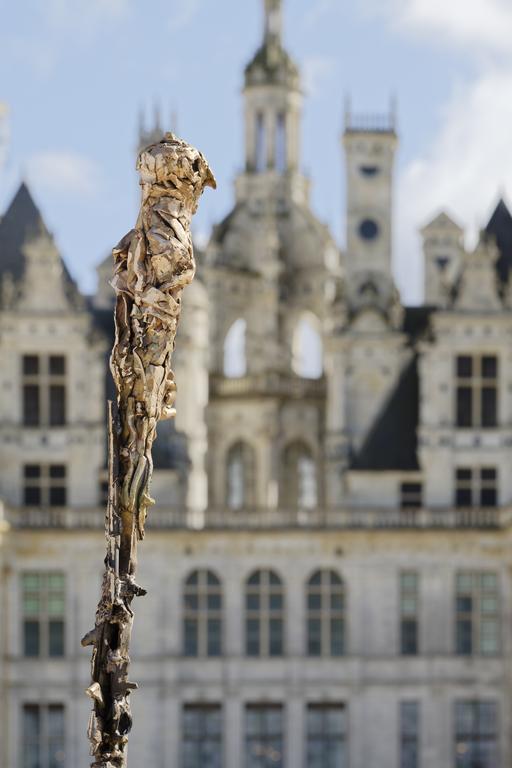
point(174, 163)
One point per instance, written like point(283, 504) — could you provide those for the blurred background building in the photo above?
point(329, 564)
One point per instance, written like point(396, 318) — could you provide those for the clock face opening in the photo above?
point(368, 229)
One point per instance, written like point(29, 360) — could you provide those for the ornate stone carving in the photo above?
point(152, 265)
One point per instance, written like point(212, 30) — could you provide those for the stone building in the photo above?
point(329, 564)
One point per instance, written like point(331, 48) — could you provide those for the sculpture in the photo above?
point(152, 265)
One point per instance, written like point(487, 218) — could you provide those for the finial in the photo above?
point(347, 109)
point(273, 19)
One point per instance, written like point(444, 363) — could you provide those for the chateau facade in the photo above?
point(329, 564)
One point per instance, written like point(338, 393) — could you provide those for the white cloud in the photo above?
point(466, 167)
point(484, 25)
point(64, 171)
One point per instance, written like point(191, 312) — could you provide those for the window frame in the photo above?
point(477, 738)
point(46, 478)
point(264, 736)
point(409, 593)
point(203, 614)
point(475, 485)
point(43, 741)
point(264, 614)
point(326, 589)
point(44, 380)
point(476, 616)
point(204, 734)
point(324, 735)
point(476, 383)
point(43, 616)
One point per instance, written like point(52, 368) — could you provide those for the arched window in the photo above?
point(325, 607)
point(240, 476)
point(235, 357)
point(264, 614)
point(299, 477)
point(307, 351)
point(202, 614)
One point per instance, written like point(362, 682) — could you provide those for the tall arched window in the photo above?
point(325, 607)
point(307, 350)
point(240, 476)
point(264, 614)
point(299, 477)
point(235, 356)
point(202, 614)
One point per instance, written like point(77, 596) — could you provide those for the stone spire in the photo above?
point(273, 20)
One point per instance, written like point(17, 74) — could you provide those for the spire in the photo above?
point(273, 20)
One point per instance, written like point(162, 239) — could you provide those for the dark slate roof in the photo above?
point(500, 226)
point(21, 223)
point(416, 321)
point(392, 442)
point(277, 65)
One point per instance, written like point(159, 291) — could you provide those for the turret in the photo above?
point(442, 249)
point(370, 142)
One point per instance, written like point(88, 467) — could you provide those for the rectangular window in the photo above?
point(410, 495)
point(476, 734)
point(476, 487)
point(44, 604)
point(409, 734)
point(326, 736)
point(477, 613)
point(43, 736)
point(202, 736)
point(44, 485)
point(476, 390)
point(264, 736)
point(44, 390)
point(408, 613)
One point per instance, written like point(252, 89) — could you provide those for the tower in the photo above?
point(370, 142)
point(273, 103)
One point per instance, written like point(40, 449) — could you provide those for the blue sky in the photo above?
point(77, 72)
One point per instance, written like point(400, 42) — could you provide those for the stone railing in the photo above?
point(342, 518)
point(267, 384)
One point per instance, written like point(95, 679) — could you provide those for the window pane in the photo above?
point(253, 637)
point(488, 497)
point(464, 642)
point(464, 406)
point(409, 637)
point(32, 497)
point(32, 470)
point(57, 365)
point(489, 367)
point(57, 405)
point(31, 638)
point(57, 470)
point(31, 411)
point(191, 640)
point(464, 366)
point(463, 497)
point(30, 365)
point(276, 637)
point(337, 637)
point(214, 637)
point(56, 638)
point(489, 407)
point(58, 496)
point(314, 637)
point(31, 731)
